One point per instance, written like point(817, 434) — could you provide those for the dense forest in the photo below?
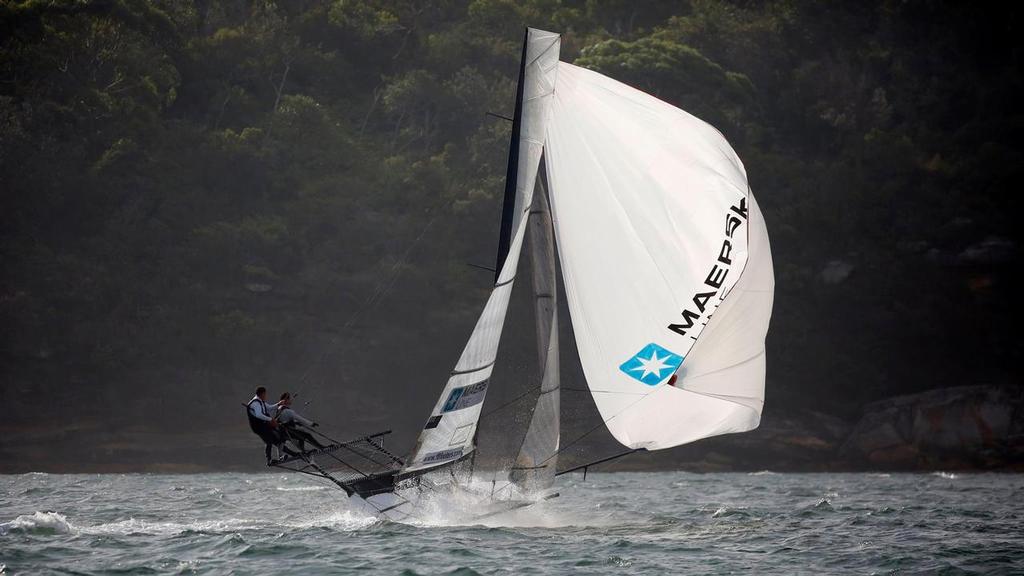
point(203, 196)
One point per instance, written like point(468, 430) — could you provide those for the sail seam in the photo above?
point(471, 370)
point(545, 50)
point(690, 378)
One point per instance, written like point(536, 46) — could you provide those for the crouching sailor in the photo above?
point(290, 422)
point(263, 423)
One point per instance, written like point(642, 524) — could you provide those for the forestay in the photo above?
point(665, 260)
point(449, 433)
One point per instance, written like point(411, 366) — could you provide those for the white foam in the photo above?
point(136, 526)
point(346, 520)
point(484, 504)
point(40, 522)
point(946, 475)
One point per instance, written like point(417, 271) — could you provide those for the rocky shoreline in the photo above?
point(960, 428)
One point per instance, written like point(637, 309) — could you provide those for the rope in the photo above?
point(509, 403)
point(381, 291)
point(577, 439)
point(591, 431)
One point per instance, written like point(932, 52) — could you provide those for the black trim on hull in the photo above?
point(373, 485)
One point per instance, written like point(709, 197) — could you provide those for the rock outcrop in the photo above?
point(962, 427)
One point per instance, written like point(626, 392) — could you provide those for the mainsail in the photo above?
point(665, 260)
point(450, 432)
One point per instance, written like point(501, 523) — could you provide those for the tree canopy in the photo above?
point(201, 196)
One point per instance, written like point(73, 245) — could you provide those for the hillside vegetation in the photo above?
point(198, 197)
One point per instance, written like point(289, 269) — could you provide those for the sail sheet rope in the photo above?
point(574, 441)
point(380, 292)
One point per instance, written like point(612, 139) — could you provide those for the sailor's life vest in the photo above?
point(259, 427)
point(293, 423)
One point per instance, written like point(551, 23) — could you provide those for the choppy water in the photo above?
point(651, 523)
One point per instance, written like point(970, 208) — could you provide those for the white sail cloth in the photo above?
point(665, 260)
point(450, 432)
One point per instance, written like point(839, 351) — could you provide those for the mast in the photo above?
point(512, 173)
point(449, 434)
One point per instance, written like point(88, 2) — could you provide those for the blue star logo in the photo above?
point(652, 364)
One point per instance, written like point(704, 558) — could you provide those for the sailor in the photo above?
point(263, 423)
point(290, 421)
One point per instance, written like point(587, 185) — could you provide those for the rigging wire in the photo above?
point(381, 291)
point(575, 440)
point(568, 445)
point(591, 431)
point(510, 402)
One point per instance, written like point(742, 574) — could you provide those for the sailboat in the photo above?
point(667, 273)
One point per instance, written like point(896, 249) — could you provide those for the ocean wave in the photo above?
point(133, 526)
point(345, 520)
point(845, 522)
point(301, 488)
point(726, 512)
point(946, 475)
point(39, 523)
point(52, 523)
point(824, 504)
point(763, 473)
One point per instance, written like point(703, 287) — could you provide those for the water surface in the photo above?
point(622, 523)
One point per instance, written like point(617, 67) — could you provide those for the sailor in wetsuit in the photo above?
point(263, 423)
point(290, 420)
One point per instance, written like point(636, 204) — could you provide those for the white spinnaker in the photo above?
point(656, 228)
point(451, 429)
